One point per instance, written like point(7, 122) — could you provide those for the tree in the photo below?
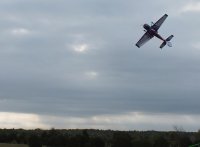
point(121, 139)
point(34, 141)
point(161, 141)
point(97, 142)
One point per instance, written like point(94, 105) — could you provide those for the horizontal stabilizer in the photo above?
point(163, 44)
point(169, 38)
point(167, 41)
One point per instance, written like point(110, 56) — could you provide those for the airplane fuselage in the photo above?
point(152, 32)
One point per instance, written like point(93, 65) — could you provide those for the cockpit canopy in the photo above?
point(146, 27)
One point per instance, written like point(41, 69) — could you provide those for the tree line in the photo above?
point(98, 138)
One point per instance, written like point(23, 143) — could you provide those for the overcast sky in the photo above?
point(74, 64)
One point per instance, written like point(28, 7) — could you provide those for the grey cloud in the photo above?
point(40, 72)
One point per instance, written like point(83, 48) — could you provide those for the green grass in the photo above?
point(12, 145)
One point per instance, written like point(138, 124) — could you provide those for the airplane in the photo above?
point(152, 31)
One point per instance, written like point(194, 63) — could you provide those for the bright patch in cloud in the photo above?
point(20, 31)
point(191, 7)
point(126, 121)
point(91, 74)
point(80, 48)
point(196, 45)
point(20, 120)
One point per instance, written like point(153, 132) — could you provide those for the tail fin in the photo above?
point(167, 41)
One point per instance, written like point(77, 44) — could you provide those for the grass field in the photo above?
point(12, 145)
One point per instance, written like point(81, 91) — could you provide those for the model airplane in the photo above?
point(152, 31)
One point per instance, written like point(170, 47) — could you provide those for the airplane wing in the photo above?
point(146, 37)
point(157, 25)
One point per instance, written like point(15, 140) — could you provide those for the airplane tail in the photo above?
point(167, 41)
